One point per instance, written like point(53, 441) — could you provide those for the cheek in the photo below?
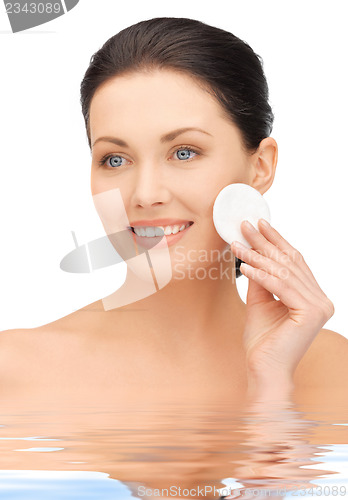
point(208, 189)
point(99, 183)
point(111, 210)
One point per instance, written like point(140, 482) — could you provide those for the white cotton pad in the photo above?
point(235, 203)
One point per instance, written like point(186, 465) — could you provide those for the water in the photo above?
point(192, 450)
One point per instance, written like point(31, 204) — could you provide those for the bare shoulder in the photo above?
point(325, 364)
point(17, 345)
point(21, 346)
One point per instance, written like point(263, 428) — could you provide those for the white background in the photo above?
point(45, 159)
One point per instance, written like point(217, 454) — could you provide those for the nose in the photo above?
point(149, 186)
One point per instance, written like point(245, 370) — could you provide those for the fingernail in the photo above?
point(249, 226)
point(264, 223)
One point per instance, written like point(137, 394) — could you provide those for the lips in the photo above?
point(159, 222)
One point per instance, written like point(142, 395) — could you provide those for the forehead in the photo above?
point(151, 85)
point(160, 95)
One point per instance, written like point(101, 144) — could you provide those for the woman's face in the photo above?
point(160, 170)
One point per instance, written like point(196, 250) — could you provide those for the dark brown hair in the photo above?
point(220, 62)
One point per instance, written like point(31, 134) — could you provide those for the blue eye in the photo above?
point(184, 153)
point(115, 161)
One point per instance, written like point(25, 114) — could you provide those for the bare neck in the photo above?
point(194, 307)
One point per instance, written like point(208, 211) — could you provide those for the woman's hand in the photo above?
point(278, 332)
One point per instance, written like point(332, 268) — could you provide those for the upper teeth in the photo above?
point(151, 231)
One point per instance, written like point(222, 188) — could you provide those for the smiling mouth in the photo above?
point(150, 231)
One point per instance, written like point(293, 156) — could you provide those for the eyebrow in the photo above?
point(165, 138)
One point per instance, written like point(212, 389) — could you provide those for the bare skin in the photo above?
point(82, 357)
point(123, 359)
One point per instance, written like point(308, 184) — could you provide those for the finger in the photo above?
point(277, 248)
point(289, 295)
point(258, 294)
point(276, 239)
point(274, 236)
point(260, 262)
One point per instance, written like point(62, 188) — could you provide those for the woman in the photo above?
point(175, 110)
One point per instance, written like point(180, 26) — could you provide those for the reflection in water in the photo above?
point(209, 449)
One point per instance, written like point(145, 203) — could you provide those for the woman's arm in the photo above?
point(278, 333)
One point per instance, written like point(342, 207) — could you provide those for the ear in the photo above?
point(263, 165)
